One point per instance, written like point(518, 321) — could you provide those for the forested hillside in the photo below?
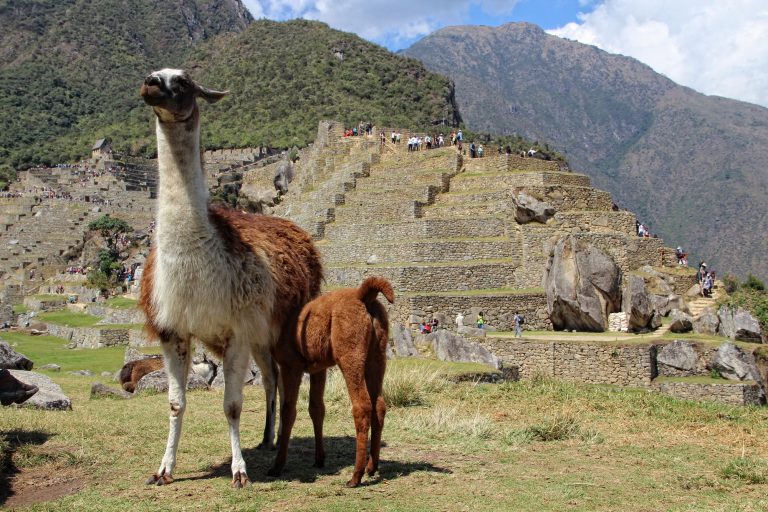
point(691, 166)
point(70, 72)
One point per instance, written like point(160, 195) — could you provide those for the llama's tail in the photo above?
point(372, 286)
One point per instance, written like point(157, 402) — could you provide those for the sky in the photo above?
point(716, 47)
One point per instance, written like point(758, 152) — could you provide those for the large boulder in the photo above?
point(638, 305)
point(50, 396)
point(12, 360)
point(735, 364)
point(472, 332)
point(157, 381)
point(679, 355)
point(739, 324)
point(529, 209)
point(707, 323)
point(449, 346)
point(283, 176)
point(583, 286)
point(99, 390)
point(681, 322)
point(664, 304)
point(401, 336)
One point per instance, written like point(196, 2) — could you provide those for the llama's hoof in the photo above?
point(371, 471)
point(354, 482)
point(159, 480)
point(240, 480)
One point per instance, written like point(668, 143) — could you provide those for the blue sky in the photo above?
point(717, 47)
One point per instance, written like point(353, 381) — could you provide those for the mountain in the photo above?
point(693, 167)
point(70, 72)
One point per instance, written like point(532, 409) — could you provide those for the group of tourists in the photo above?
point(518, 320)
point(643, 231)
point(706, 279)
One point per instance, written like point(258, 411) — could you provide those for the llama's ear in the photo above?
point(210, 95)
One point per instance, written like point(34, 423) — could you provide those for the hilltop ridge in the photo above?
point(691, 166)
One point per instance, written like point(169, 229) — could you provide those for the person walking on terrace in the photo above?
point(518, 320)
point(480, 322)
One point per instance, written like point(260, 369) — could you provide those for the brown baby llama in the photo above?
point(348, 328)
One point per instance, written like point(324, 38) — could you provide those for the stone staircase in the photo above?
point(696, 307)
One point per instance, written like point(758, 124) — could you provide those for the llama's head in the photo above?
point(172, 94)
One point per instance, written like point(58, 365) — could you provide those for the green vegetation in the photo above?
point(69, 319)
point(529, 446)
point(20, 309)
point(750, 295)
point(120, 303)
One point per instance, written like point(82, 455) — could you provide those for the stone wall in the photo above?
point(95, 337)
point(426, 251)
point(736, 393)
point(578, 362)
point(498, 310)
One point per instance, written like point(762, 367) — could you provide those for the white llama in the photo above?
point(232, 280)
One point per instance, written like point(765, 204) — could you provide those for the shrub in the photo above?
point(754, 283)
point(730, 283)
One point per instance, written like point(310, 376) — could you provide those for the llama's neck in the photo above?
point(182, 218)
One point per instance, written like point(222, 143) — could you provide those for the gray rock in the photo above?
point(638, 304)
point(403, 341)
point(82, 373)
point(106, 374)
point(680, 322)
point(99, 390)
point(12, 360)
point(582, 285)
point(372, 260)
point(679, 354)
point(707, 323)
point(283, 176)
point(205, 369)
point(734, 364)
point(50, 396)
point(52, 367)
point(452, 347)
point(739, 324)
point(472, 332)
point(664, 304)
point(218, 379)
point(528, 209)
point(158, 382)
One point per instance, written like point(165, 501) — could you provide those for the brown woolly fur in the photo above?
point(348, 328)
point(132, 372)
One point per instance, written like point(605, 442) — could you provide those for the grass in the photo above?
point(50, 349)
point(69, 318)
point(44, 297)
point(20, 309)
point(538, 445)
point(700, 379)
point(120, 303)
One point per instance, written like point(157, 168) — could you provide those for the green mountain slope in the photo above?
point(70, 72)
point(692, 167)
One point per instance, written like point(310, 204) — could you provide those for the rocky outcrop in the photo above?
point(733, 363)
point(738, 324)
point(679, 355)
point(158, 382)
point(50, 396)
point(638, 304)
point(283, 176)
point(529, 209)
point(452, 347)
point(681, 322)
point(12, 360)
point(583, 286)
point(99, 390)
point(707, 323)
point(403, 341)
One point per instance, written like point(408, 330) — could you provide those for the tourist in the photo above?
point(424, 328)
point(472, 151)
point(394, 136)
point(459, 320)
point(518, 320)
point(480, 151)
point(480, 322)
point(434, 324)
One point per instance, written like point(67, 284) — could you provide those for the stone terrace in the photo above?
point(441, 226)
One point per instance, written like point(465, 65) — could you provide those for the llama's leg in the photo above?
point(269, 379)
point(177, 359)
point(354, 376)
point(317, 413)
point(291, 378)
point(235, 364)
point(374, 377)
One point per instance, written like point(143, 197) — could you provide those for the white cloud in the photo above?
point(385, 22)
point(714, 46)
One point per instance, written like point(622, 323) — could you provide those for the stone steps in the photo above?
point(467, 181)
point(383, 211)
